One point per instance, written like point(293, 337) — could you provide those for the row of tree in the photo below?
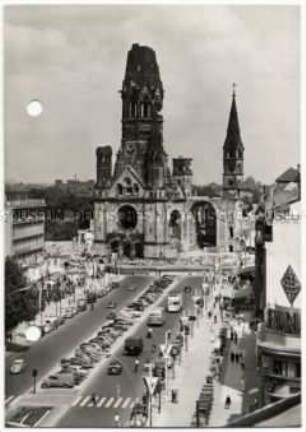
point(21, 304)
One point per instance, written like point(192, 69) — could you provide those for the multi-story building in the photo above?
point(24, 229)
point(279, 336)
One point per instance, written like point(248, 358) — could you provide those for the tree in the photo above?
point(20, 305)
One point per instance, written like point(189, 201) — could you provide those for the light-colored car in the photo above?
point(17, 366)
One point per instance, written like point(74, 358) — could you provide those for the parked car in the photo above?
point(111, 316)
point(69, 313)
point(114, 368)
point(17, 366)
point(82, 305)
point(111, 305)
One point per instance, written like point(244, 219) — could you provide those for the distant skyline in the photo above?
point(72, 59)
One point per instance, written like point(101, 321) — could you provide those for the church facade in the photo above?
point(142, 207)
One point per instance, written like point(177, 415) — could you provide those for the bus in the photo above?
point(175, 303)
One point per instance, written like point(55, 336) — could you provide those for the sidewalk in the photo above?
point(53, 309)
point(190, 374)
point(196, 359)
point(238, 383)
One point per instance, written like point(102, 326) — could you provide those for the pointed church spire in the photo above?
point(233, 150)
point(233, 138)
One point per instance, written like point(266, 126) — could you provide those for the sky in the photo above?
point(72, 59)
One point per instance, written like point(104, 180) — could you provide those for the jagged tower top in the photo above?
point(142, 75)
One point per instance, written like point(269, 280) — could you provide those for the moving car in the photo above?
point(156, 317)
point(17, 366)
point(175, 303)
point(114, 368)
point(63, 380)
point(133, 346)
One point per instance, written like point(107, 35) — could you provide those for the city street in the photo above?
point(119, 393)
point(46, 353)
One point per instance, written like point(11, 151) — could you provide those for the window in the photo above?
point(119, 189)
point(277, 367)
point(298, 370)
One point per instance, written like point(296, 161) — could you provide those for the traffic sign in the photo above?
point(150, 383)
point(165, 349)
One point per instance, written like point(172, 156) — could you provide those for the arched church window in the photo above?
point(119, 189)
point(145, 109)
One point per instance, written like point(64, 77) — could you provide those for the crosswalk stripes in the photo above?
point(78, 399)
point(126, 402)
point(101, 402)
point(118, 402)
point(85, 401)
point(109, 402)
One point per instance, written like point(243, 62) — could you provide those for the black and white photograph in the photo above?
point(152, 216)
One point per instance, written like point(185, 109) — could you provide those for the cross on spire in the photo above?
point(234, 89)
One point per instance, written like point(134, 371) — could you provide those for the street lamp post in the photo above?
point(34, 376)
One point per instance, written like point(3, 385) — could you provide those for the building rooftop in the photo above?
point(290, 175)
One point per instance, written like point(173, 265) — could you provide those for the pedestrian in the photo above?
point(237, 357)
point(242, 366)
point(215, 319)
point(117, 419)
point(136, 365)
point(232, 357)
point(149, 333)
point(228, 402)
point(94, 399)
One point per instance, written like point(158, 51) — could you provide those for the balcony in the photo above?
point(278, 342)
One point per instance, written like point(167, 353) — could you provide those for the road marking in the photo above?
point(101, 402)
point(84, 401)
point(126, 402)
point(109, 402)
point(9, 399)
point(77, 400)
point(42, 418)
point(118, 402)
